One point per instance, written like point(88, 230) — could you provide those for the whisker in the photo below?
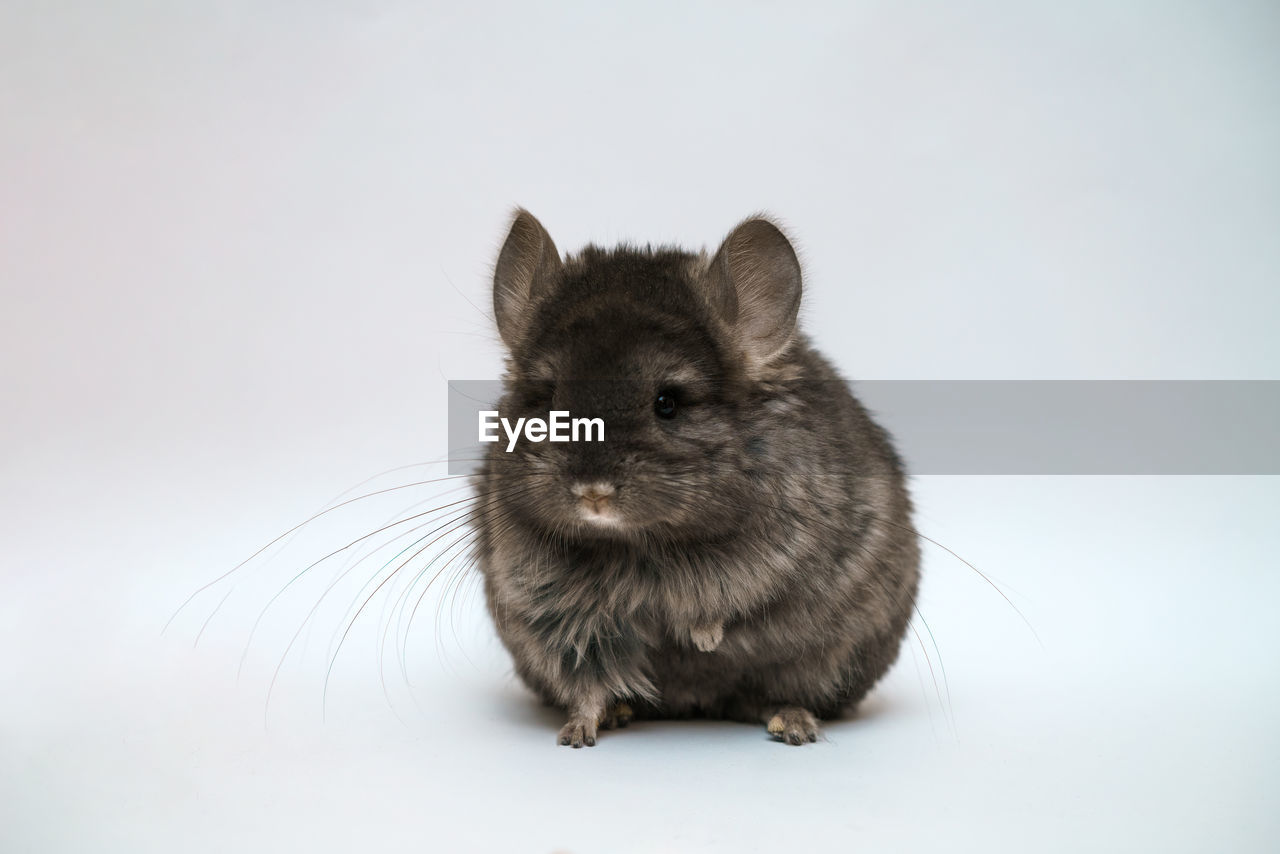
point(477, 496)
point(333, 659)
point(209, 618)
point(297, 527)
point(927, 538)
point(502, 518)
point(309, 567)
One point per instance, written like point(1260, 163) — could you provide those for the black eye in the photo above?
point(665, 405)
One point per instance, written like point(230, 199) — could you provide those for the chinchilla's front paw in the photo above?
point(582, 728)
point(579, 731)
point(707, 636)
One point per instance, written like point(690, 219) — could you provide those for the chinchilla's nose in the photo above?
point(595, 496)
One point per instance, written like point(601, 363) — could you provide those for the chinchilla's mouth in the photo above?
point(607, 517)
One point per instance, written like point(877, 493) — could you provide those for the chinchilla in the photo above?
point(739, 545)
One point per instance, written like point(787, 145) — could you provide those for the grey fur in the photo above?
point(751, 557)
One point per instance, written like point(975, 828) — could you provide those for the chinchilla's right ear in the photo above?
point(527, 269)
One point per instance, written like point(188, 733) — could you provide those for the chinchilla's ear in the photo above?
point(527, 268)
point(754, 287)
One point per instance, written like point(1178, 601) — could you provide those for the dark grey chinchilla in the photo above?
point(740, 544)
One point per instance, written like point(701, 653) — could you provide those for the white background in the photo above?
point(243, 245)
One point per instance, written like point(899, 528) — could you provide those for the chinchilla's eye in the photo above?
point(665, 405)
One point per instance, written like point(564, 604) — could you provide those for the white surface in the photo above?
point(238, 247)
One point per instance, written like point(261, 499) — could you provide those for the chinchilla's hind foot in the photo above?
point(793, 725)
point(616, 716)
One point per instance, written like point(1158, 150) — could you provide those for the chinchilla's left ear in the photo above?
point(754, 287)
point(527, 269)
